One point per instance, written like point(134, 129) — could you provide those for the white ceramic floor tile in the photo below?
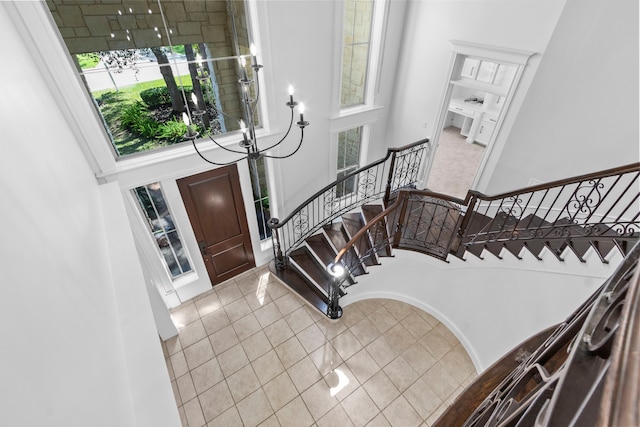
point(251, 353)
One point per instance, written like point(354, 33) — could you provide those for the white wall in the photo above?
point(301, 44)
point(424, 64)
point(581, 112)
point(297, 41)
point(66, 360)
point(137, 304)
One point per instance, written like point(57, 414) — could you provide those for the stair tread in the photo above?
point(336, 234)
point(324, 251)
point(320, 245)
point(536, 247)
point(477, 223)
point(578, 246)
point(605, 241)
point(306, 261)
point(353, 222)
point(370, 212)
point(570, 237)
point(502, 225)
point(303, 287)
point(530, 223)
point(504, 232)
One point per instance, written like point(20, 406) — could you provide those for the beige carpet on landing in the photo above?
point(455, 164)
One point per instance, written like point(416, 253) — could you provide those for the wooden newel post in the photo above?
point(275, 240)
point(467, 216)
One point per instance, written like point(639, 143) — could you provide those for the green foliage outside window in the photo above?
point(159, 96)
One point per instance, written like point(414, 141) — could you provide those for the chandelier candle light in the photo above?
point(249, 142)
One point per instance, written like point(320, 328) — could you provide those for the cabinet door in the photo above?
point(469, 68)
point(485, 131)
point(505, 75)
point(487, 72)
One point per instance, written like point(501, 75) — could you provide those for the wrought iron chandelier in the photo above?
point(249, 143)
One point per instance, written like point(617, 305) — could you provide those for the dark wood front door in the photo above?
point(216, 211)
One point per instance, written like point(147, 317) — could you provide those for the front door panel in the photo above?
point(216, 211)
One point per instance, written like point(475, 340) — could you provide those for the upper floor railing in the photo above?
point(398, 169)
point(588, 207)
point(591, 209)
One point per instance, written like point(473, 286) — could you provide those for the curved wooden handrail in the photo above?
point(576, 361)
point(318, 193)
point(623, 381)
point(476, 392)
point(633, 167)
point(369, 225)
point(436, 195)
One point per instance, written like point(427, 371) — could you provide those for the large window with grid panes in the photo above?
point(144, 62)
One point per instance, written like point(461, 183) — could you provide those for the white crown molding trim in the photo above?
point(501, 54)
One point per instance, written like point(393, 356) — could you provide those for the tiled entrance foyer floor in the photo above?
point(250, 352)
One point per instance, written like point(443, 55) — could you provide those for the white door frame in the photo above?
point(459, 51)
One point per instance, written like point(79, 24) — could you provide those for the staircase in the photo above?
point(306, 271)
point(506, 230)
point(591, 213)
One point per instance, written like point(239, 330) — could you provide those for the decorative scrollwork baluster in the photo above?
point(584, 200)
point(367, 184)
point(300, 224)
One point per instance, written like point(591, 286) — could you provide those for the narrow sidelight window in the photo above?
point(162, 229)
point(258, 172)
point(349, 144)
point(358, 20)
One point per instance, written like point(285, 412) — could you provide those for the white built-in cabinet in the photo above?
point(479, 87)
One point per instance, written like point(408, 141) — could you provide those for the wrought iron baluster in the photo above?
point(402, 218)
point(627, 228)
point(418, 219)
point(550, 208)
point(584, 203)
point(487, 231)
point(535, 212)
point(367, 183)
point(516, 210)
point(603, 198)
point(526, 206)
point(571, 199)
point(442, 225)
point(635, 178)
